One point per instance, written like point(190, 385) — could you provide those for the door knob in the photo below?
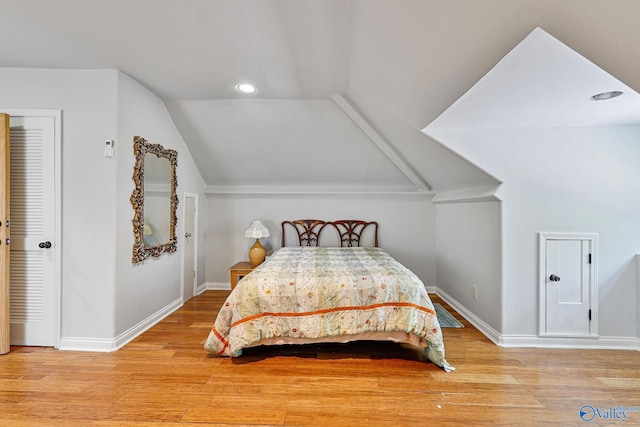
point(187, 234)
point(554, 278)
point(44, 245)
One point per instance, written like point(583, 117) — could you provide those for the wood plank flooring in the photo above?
point(164, 378)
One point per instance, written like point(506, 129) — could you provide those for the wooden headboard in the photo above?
point(349, 231)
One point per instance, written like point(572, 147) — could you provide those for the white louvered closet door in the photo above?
point(32, 230)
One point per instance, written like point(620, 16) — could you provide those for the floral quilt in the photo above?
point(316, 293)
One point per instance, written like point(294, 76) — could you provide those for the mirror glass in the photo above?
point(154, 200)
point(157, 200)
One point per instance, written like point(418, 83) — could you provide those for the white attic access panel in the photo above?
point(568, 285)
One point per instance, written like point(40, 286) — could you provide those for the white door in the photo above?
point(189, 260)
point(568, 286)
point(32, 229)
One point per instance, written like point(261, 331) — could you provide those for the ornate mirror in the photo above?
point(154, 199)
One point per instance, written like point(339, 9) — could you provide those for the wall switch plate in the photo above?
point(108, 148)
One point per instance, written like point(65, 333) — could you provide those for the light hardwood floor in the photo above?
point(164, 378)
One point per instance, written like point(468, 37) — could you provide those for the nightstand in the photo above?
point(238, 271)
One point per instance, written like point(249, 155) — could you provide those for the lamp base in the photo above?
point(256, 254)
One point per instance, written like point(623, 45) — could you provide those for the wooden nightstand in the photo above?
point(238, 271)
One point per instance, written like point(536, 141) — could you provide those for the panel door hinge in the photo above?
point(589, 258)
point(589, 315)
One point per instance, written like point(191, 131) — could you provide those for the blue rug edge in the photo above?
point(445, 318)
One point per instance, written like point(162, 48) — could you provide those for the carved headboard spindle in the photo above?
point(350, 231)
point(308, 231)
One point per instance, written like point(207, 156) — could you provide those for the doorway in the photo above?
point(35, 227)
point(190, 245)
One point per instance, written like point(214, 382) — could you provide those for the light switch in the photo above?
point(108, 148)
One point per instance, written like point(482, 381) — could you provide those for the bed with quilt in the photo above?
point(312, 294)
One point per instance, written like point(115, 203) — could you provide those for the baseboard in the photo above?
point(109, 345)
point(87, 344)
point(507, 341)
point(535, 341)
point(479, 324)
point(217, 286)
point(604, 343)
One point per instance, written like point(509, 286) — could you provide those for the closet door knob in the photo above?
point(554, 278)
point(44, 245)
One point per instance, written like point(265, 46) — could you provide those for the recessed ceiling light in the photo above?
point(246, 87)
point(606, 95)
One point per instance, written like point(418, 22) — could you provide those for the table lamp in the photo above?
point(255, 231)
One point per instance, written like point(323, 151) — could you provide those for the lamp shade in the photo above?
point(256, 230)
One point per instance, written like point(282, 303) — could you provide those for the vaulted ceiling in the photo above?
point(396, 66)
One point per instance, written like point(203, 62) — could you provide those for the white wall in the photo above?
point(88, 102)
point(468, 242)
point(563, 180)
point(102, 293)
point(406, 225)
point(145, 288)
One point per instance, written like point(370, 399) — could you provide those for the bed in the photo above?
point(345, 291)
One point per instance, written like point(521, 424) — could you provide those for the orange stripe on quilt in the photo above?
point(334, 309)
point(221, 338)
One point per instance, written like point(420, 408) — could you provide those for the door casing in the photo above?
point(5, 318)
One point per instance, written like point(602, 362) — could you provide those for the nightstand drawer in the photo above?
point(238, 271)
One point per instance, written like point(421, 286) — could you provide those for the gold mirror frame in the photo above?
point(141, 252)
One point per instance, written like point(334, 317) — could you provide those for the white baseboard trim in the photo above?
point(604, 343)
point(507, 341)
point(535, 341)
point(217, 286)
point(109, 345)
point(102, 345)
point(480, 324)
